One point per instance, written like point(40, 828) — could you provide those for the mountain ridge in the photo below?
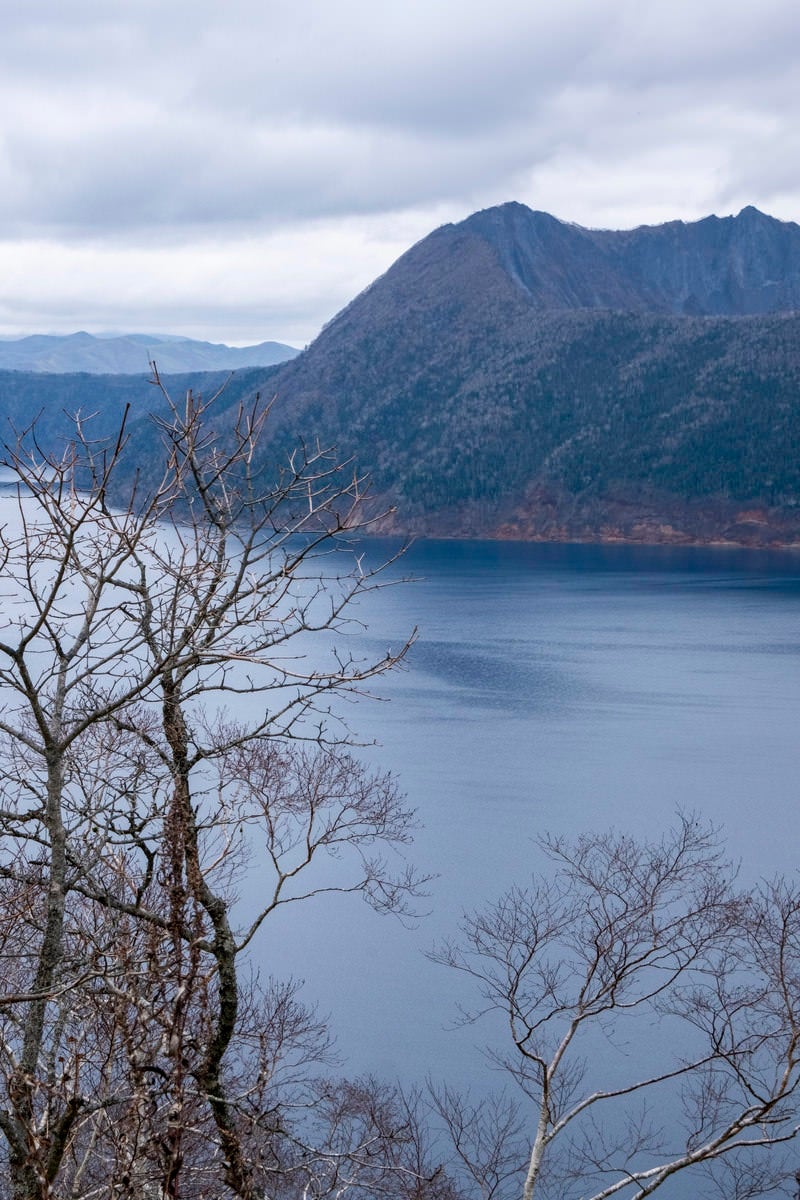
point(718, 266)
point(130, 354)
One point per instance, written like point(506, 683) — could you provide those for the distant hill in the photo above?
point(130, 354)
point(516, 376)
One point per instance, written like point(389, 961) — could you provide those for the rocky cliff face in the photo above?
point(720, 266)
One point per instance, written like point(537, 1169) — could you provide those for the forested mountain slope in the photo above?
point(516, 376)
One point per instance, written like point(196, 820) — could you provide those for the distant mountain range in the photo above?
point(131, 354)
point(516, 376)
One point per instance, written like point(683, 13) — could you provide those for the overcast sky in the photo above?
point(237, 170)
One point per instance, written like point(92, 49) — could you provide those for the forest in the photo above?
point(552, 426)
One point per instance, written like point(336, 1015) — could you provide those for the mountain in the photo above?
point(131, 354)
point(720, 266)
point(514, 375)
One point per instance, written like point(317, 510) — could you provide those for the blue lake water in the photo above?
point(551, 689)
point(560, 689)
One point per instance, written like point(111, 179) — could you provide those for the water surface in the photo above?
point(561, 689)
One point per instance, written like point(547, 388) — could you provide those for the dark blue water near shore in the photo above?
point(552, 688)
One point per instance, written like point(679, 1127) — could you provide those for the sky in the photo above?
point(238, 171)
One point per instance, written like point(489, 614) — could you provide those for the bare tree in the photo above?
point(649, 942)
point(131, 797)
point(367, 1141)
point(487, 1139)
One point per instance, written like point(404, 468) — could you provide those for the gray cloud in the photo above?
point(172, 124)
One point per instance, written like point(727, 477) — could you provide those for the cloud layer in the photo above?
point(240, 171)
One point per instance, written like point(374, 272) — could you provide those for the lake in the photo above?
point(560, 689)
point(551, 689)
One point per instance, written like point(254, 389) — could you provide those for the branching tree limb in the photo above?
point(133, 614)
point(624, 933)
